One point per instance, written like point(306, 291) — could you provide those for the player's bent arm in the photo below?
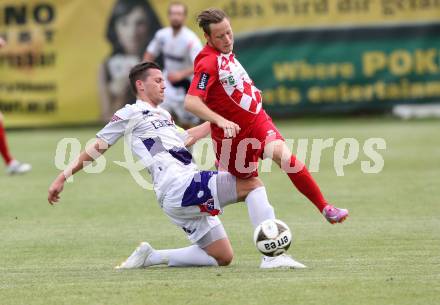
point(177, 76)
point(196, 133)
point(149, 56)
point(196, 105)
point(187, 72)
point(91, 153)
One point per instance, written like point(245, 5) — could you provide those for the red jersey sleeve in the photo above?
point(205, 75)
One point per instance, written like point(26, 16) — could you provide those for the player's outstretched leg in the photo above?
point(259, 210)
point(12, 166)
point(213, 249)
point(145, 256)
point(138, 257)
point(303, 180)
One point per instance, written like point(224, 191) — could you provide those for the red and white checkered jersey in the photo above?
point(226, 88)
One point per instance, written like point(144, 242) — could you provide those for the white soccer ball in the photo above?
point(272, 237)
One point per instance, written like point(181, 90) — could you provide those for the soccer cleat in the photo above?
point(334, 214)
point(138, 258)
point(280, 261)
point(16, 167)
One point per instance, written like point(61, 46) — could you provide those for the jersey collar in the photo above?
point(230, 56)
point(145, 105)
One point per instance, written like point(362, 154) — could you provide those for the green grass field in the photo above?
point(387, 252)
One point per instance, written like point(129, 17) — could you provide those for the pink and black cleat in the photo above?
point(334, 214)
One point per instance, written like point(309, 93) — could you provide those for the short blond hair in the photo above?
point(210, 16)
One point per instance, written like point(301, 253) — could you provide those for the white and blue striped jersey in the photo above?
point(179, 52)
point(156, 140)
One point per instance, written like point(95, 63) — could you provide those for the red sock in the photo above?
point(305, 183)
point(4, 145)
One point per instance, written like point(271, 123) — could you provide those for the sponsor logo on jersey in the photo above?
point(209, 207)
point(228, 80)
point(203, 82)
point(271, 132)
point(115, 118)
point(161, 123)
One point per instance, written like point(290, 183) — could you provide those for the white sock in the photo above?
point(189, 256)
point(259, 208)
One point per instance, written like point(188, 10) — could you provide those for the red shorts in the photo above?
point(240, 155)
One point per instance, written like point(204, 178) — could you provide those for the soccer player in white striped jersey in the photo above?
point(192, 199)
point(179, 47)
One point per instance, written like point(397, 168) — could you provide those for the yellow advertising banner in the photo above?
point(67, 61)
point(258, 15)
point(48, 67)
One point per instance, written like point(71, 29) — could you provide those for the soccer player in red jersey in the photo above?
point(12, 166)
point(222, 93)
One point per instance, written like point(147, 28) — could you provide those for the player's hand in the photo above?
point(230, 129)
point(175, 77)
point(2, 42)
point(54, 191)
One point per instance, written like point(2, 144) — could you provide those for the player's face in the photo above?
point(176, 16)
point(221, 37)
point(153, 87)
point(132, 30)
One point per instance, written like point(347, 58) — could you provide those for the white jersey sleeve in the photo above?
point(155, 45)
point(117, 126)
